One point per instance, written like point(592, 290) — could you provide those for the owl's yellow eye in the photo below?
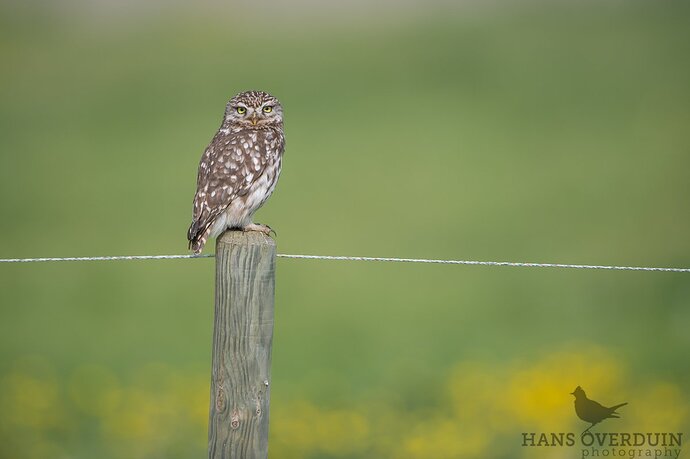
point(268, 109)
point(241, 110)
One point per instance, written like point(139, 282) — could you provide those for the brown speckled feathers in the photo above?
point(240, 168)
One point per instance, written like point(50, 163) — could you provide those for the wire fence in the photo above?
point(516, 264)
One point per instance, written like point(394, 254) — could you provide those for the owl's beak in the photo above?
point(254, 120)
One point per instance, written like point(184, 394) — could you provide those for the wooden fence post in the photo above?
point(242, 339)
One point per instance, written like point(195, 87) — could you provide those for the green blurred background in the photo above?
point(530, 131)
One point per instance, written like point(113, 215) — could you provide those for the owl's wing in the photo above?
point(226, 172)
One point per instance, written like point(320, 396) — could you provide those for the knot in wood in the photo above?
point(220, 399)
point(235, 420)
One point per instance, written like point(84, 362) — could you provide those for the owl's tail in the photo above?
point(197, 237)
point(197, 245)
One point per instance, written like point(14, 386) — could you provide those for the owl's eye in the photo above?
point(241, 110)
point(268, 109)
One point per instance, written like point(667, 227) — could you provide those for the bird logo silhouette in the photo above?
point(591, 411)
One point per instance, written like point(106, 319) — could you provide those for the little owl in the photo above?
point(239, 169)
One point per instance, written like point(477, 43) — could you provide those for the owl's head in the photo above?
point(253, 110)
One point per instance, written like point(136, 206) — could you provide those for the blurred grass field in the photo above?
point(531, 132)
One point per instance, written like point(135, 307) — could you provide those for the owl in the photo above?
point(239, 169)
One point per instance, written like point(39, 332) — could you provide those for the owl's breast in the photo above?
point(240, 212)
point(263, 187)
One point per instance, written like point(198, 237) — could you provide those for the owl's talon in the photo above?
point(270, 230)
point(267, 230)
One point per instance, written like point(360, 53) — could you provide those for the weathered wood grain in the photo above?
point(242, 339)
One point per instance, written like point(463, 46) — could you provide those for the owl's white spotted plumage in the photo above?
point(239, 169)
